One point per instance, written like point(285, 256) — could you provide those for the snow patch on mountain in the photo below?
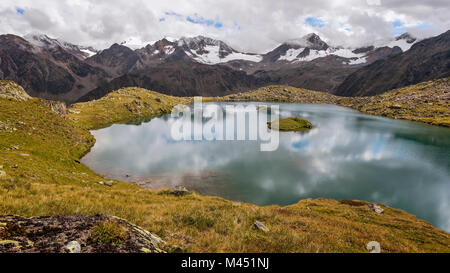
point(311, 41)
point(243, 56)
point(311, 47)
point(136, 43)
point(45, 42)
point(295, 55)
point(168, 49)
point(345, 53)
point(88, 51)
point(212, 56)
point(403, 44)
point(170, 39)
point(404, 41)
point(210, 51)
point(42, 40)
point(357, 61)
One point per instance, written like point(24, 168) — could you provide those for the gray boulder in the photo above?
point(260, 226)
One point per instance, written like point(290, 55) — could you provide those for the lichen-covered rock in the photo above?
point(109, 183)
point(376, 208)
point(58, 107)
point(73, 233)
point(15, 147)
point(73, 247)
point(261, 226)
point(175, 249)
point(179, 191)
point(5, 127)
point(12, 91)
point(106, 183)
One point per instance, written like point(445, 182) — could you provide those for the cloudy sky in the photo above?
point(250, 25)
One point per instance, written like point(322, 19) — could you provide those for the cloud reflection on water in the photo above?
point(346, 156)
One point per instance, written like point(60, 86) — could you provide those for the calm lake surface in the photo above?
point(347, 155)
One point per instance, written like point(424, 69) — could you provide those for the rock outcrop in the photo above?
point(12, 91)
point(75, 234)
point(58, 107)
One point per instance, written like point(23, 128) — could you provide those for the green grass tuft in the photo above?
point(109, 232)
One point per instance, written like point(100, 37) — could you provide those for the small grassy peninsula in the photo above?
point(291, 124)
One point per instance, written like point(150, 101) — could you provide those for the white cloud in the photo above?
point(373, 2)
point(252, 25)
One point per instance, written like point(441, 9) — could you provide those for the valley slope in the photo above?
point(41, 175)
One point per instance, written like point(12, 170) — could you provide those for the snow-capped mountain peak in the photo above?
point(309, 48)
point(404, 41)
point(88, 50)
point(311, 41)
point(136, 43)
point(407, 37)
point(43, 41)
point(210, 51)
point(198, 40)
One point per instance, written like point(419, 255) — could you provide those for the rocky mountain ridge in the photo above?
point(426, 60)
point(54, 69)
point(43, 41)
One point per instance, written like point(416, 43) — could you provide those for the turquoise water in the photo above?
point(347, 155)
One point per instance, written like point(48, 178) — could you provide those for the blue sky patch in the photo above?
point(196, 19)
point(398, 27)
point(345, 27)
point(424, 26)
point(314, 22)
point(20, 10)
point(171, 13)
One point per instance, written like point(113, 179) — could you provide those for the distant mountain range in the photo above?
point(55, 69)
point(426, 60)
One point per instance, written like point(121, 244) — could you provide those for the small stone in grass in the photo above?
point(106, 183)
point(179, 191)
point(261, 226)
point(72, 247)
point(376, 208)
